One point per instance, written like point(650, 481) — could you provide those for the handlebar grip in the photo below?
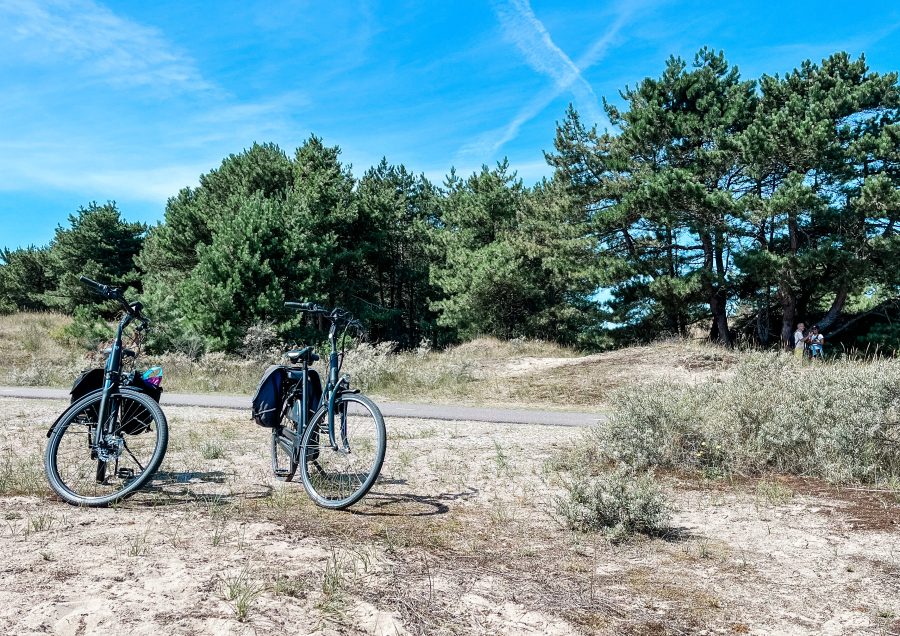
point(104, 290)
point(91, 282)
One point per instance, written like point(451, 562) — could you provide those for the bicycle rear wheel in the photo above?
point(339, 477)
point(130, 453)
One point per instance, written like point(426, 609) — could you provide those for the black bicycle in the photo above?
point(336, 437)
point(113, 437)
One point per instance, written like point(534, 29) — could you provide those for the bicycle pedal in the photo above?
point(125, 473)
point(282, 472)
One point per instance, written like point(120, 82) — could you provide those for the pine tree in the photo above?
point(99, 244)
point(818, 157)
point(398, 214)
point(24, 278)
point(662, 190)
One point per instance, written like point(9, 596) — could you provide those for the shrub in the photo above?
point(620, 503)
point(261, 341)
point(382, 370)
point(839, 420)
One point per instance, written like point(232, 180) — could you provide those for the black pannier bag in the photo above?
point(267, 403)
point(315, 391)
point(139, 421)
point(88, 382)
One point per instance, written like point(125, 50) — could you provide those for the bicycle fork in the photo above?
point(343, 386)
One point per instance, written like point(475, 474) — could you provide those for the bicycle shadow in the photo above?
point(174, 488)
point(393, 504)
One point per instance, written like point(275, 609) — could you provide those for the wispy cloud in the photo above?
point(147, 163)
point(79, 118)
point(105, 46)
point(91, 171)
point(775, 55)
point(522, 27)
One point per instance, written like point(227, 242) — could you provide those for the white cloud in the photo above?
point(106, 47)
point(81, 124)
point(521, 26)
point(48, 166)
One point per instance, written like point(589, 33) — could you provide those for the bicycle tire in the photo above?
point(314, 453)
point(83, 409)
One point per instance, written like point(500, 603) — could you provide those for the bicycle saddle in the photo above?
point(296, 355)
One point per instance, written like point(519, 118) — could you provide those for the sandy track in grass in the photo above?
point(456, 539)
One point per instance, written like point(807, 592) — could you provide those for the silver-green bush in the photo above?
point(839, 420)
point(620, 503)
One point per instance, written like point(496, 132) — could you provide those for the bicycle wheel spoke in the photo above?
point(136, 460)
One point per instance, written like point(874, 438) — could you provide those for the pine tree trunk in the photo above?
point(836, 308)
point(788, 314)
point(715, 294)
point(762, 322)
point(717, 305)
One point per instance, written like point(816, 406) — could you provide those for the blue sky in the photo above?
point(131, 101)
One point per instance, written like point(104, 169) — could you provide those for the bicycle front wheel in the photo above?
point(338, 477)
point(131, 449)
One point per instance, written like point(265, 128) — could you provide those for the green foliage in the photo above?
point(236, 277)
point(87, 330)
point(263, 229)
point(885, 336)
point(782, 200)
point(516, 263)
point(620, 503)
point(98, 244)
point(24, 278)
point(396, 227)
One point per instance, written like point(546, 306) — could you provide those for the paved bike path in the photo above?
point(389, 409)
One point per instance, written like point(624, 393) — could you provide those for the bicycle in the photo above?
point(336, 437)
point(112, 440)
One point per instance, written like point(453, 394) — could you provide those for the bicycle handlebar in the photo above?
point(307, 307)
point(336, 315)
point(115, 293)
point(103, 290)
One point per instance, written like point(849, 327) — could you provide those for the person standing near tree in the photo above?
point(816, 343)
point(799, 341)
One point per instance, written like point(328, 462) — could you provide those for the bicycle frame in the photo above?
point(332, 389)
point(112, 374)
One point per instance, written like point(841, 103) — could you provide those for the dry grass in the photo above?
point(532, 373)
point(519, 373)
point(35, 351)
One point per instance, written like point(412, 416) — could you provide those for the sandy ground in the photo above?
point(459, 537)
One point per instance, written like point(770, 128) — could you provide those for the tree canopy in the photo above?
point(734, 205)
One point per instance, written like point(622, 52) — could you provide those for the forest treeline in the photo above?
point(738, 206)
